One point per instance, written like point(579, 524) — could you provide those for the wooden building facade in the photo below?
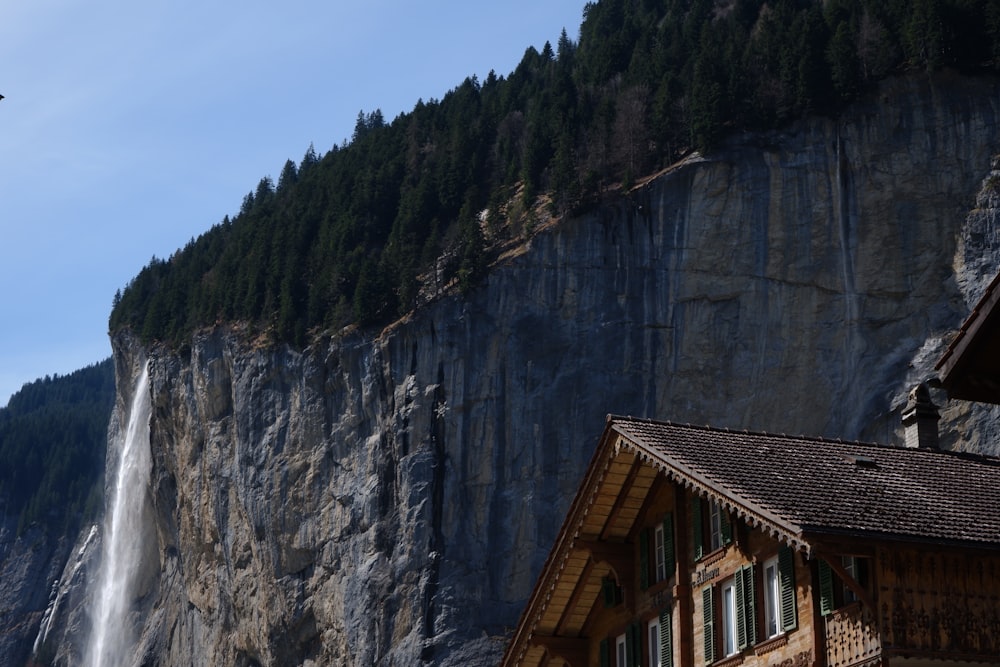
point(688, 546)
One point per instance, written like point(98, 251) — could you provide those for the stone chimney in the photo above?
point(920, 419)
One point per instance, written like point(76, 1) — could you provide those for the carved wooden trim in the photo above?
point(771, 644)
point(731, 661)
point(852, 637)
point(713, 556)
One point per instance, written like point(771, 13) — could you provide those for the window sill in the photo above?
point(713, 556)
point(766, 646)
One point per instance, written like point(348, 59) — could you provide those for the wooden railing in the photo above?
point(852, 637)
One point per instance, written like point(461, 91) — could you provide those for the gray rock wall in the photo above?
point(390, 500)
point(29, 569)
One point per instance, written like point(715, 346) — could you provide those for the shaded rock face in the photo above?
point(65, 626)
point(390, 500)
point(29, 572)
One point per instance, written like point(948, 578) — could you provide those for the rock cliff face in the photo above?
point(390, 499)
point(29, 566)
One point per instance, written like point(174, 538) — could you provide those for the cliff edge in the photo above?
point(390, 498)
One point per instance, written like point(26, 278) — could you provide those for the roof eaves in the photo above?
point(752, 513)
point(817, 534)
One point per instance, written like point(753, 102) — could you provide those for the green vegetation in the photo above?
point(381, 223)
point(53, 437)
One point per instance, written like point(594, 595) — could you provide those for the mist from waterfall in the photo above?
point(121, 553)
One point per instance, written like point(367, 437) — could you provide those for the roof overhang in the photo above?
point(970, 368)
point(752, 514)
point(574, 560)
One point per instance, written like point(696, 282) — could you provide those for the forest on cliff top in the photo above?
point(415, 205)
point(53, 435)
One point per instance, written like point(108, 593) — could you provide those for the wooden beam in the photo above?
point(617, 555)
point(623, 494)
point(574, 599)
point(654, 490)
point(852, 583)
point(571, 650)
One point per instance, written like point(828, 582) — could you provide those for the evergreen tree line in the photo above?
point(53, 438)
point(366, 231)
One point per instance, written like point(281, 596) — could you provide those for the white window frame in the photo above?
point(715, 526)
point(772, 598)
point(653, 637)
point(850, 564)
point(621, 651)
point(660, 552)
point(727, 616)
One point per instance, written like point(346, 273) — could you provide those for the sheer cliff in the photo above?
point(389, 498)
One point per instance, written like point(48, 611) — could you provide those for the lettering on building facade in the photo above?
point(704, 576)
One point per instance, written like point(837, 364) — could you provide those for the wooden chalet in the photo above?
point(688, 546)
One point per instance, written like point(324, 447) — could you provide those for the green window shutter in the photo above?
point(741, 620)
point(608, 588)
point(708, 613)
point(605, 650)
point(697, 538)
point(666, 638)
point(751, 605)
point(644, 559)
point(746, 609)
point(786, 574)
point(826, 603)
point(668, 544)
point(633, 645)
point(725, 526)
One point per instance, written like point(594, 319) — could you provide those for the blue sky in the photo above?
point(130, 127)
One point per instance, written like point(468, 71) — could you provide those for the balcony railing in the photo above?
point(852, 638)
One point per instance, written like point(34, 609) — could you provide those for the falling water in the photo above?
point(123, 528)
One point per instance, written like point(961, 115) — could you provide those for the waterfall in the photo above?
point(121, 555)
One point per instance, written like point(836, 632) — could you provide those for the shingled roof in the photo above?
point(806, 489)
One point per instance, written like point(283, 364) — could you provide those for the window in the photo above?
point(772, 598)
point(656, 553)
point(834, 592)
point(660, 554)
point(853, 567)
point(729, 617)
point(659, 635)
point(653, 636)
point(715, 525)
point(628, 648)
point(780, 611)
point(711, 527)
